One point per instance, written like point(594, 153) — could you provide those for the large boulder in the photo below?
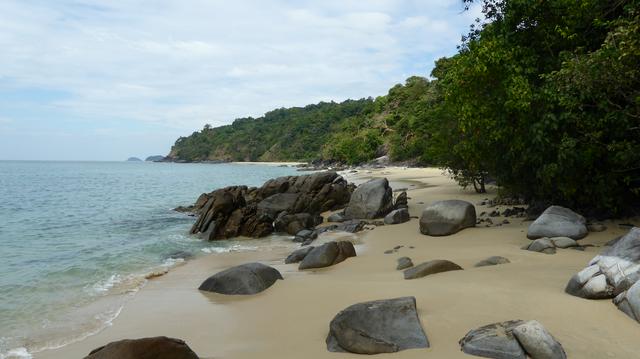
point(558, 221)
point(327, 255)
point(443, 218)
point(250, 278)
point(612, 272)
point(494, 341)
point(430, 267)
point(145, 348)
point(241, 211)
point(372, 199)
point(515, 339)
point(381, 326)
point(629, 301)
point(397, 216)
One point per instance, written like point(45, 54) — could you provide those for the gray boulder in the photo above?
point(612, 272)
point(629, 301)
point(430, 267)
point(542, 245)
point(558, 221)
point(298, 255)
point(327, 255)
point(494, 341)
point(397, 216)
point(144, 348)
point(404, 263)
point(381, 326)
point(492, 261)
point(564, 242)
point(305, 235)
point(537, 341)
point(372, 199)
point(443, 218)
point(351, 226)
point(250, 278)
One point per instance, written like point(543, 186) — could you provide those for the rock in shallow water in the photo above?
point(381, 326)
point(443, 218)
point(430, 267)
point(145, 348)
point(250, 278)
point(558, 221)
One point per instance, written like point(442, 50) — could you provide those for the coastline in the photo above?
point(291, 318)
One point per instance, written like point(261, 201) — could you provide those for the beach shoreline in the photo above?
point(291, 318)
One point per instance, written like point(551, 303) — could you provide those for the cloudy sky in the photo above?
point(105, 80)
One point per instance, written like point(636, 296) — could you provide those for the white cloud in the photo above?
point(179, 64)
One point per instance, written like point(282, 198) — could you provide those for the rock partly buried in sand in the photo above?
point(372, 199)
point(542, 245)
point(537, 342)
point(612, 272)
point(564, 242)
point(336, 217)
point(327, 255)
point(298, 255)
point(145, 348)
point(430, 267)
point(250, 278)
point(443, 218)
point(404, 263)
point(381, 326)
point(515, 339)
point(397, 216)
point(558, 221)
point(492, 261)
point(494, 341)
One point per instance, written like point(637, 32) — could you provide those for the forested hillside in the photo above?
point(543, 97)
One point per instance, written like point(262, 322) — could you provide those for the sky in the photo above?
point(107, 80)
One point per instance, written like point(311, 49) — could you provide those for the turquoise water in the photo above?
point(78, 238)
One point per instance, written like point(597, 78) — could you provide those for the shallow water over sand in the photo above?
point(79, 238)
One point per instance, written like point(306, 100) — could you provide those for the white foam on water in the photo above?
point(17, 353)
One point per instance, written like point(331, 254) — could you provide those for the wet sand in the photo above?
point(291, 319)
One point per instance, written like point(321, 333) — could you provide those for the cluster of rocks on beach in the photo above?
point(295, 206)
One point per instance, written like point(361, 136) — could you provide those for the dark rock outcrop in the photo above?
point(294, 223)
point(430, 267)
point(558, 221)
point(250, 278)
point(381, 326)
point(443, 218)
point(372, 199)
point(145, 348)
point(327, 255)
point(402, 201)
point(241, 211)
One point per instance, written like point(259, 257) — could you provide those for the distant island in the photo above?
point(156, 158)
point(133, 159)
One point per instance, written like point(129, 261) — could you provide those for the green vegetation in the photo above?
point(543, 97)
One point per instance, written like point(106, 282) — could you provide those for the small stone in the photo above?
point(388, 251)
point(491, 261)
point(404, 263)
point(430, 267)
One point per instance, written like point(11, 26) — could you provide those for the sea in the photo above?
point(79, 239)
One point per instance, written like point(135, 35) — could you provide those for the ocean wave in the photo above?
point(17, 353)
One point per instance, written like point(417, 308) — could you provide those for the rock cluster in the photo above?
point(381, 326)
point(242, 211)
point(515, 339)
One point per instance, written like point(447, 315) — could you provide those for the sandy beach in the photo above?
point(291, 319)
